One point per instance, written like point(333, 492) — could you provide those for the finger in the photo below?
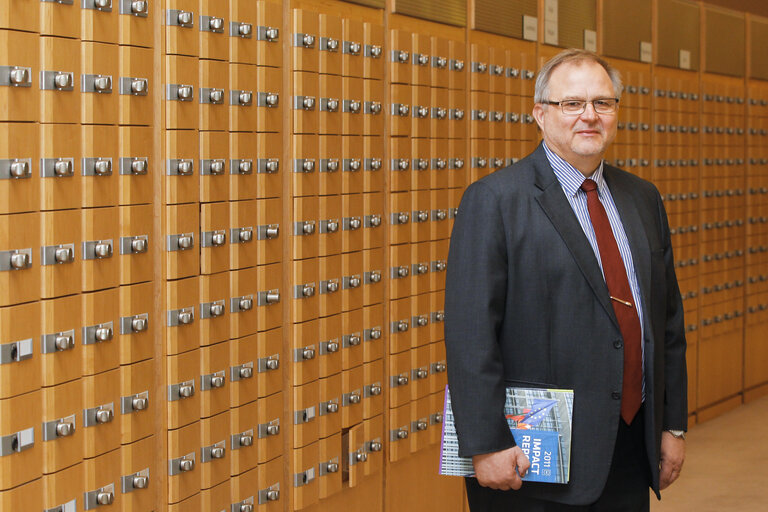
point(663, 481)
point(516, 483)
point(666, 477)
point(666, 482)
point(499, 486)
point(523, 464)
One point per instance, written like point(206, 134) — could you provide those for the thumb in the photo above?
point(522, 463)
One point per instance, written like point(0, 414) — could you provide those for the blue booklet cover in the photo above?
point(542, 449)
point(540, 421)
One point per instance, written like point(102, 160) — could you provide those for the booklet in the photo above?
point(540, 421)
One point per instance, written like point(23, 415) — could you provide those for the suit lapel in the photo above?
point(557, 208)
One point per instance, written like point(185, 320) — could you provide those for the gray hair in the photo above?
point(541, 93)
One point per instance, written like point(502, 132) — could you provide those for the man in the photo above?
point(559, 281)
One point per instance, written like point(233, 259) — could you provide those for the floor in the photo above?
point(726, 467)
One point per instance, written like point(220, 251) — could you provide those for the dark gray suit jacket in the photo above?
point(526, 305)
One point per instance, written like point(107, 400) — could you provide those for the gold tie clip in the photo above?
point(628, 304)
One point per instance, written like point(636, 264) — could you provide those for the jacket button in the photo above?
point(617, 343)
point(616, 395)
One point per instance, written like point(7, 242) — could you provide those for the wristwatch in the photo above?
point(677, 434)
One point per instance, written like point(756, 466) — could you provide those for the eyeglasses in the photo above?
point(577, 107)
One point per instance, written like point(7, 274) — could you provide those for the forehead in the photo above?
point(581, 78)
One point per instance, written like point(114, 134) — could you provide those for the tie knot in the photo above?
point(588, 185)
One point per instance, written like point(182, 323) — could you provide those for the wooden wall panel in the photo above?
point(450, 12)
point(380, 4)
point(678, 29)
point(701, 137)
point(501, 16)
point(626, 23)
point(725, 42)
point(758, 43)
point(575, 16)
point(759, 7)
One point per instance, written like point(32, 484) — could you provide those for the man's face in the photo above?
point(579, 139)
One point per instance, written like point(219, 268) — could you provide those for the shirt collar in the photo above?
point(569, 177)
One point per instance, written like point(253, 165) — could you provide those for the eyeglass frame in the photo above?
point(584, 106)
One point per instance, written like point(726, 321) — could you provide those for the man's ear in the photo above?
point(538, 114)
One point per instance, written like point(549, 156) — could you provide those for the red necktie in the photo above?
point(622, 300)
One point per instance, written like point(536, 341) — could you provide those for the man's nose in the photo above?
point(589, 111)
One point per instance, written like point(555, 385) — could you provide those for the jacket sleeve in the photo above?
point(475, 297)
point(675, 372)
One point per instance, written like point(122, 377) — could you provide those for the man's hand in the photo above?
point(501, 470)
point(672, 457)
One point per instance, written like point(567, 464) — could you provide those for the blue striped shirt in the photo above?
point(570, 180)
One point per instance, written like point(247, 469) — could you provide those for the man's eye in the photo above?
point(603, 103)
point(571, 104)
